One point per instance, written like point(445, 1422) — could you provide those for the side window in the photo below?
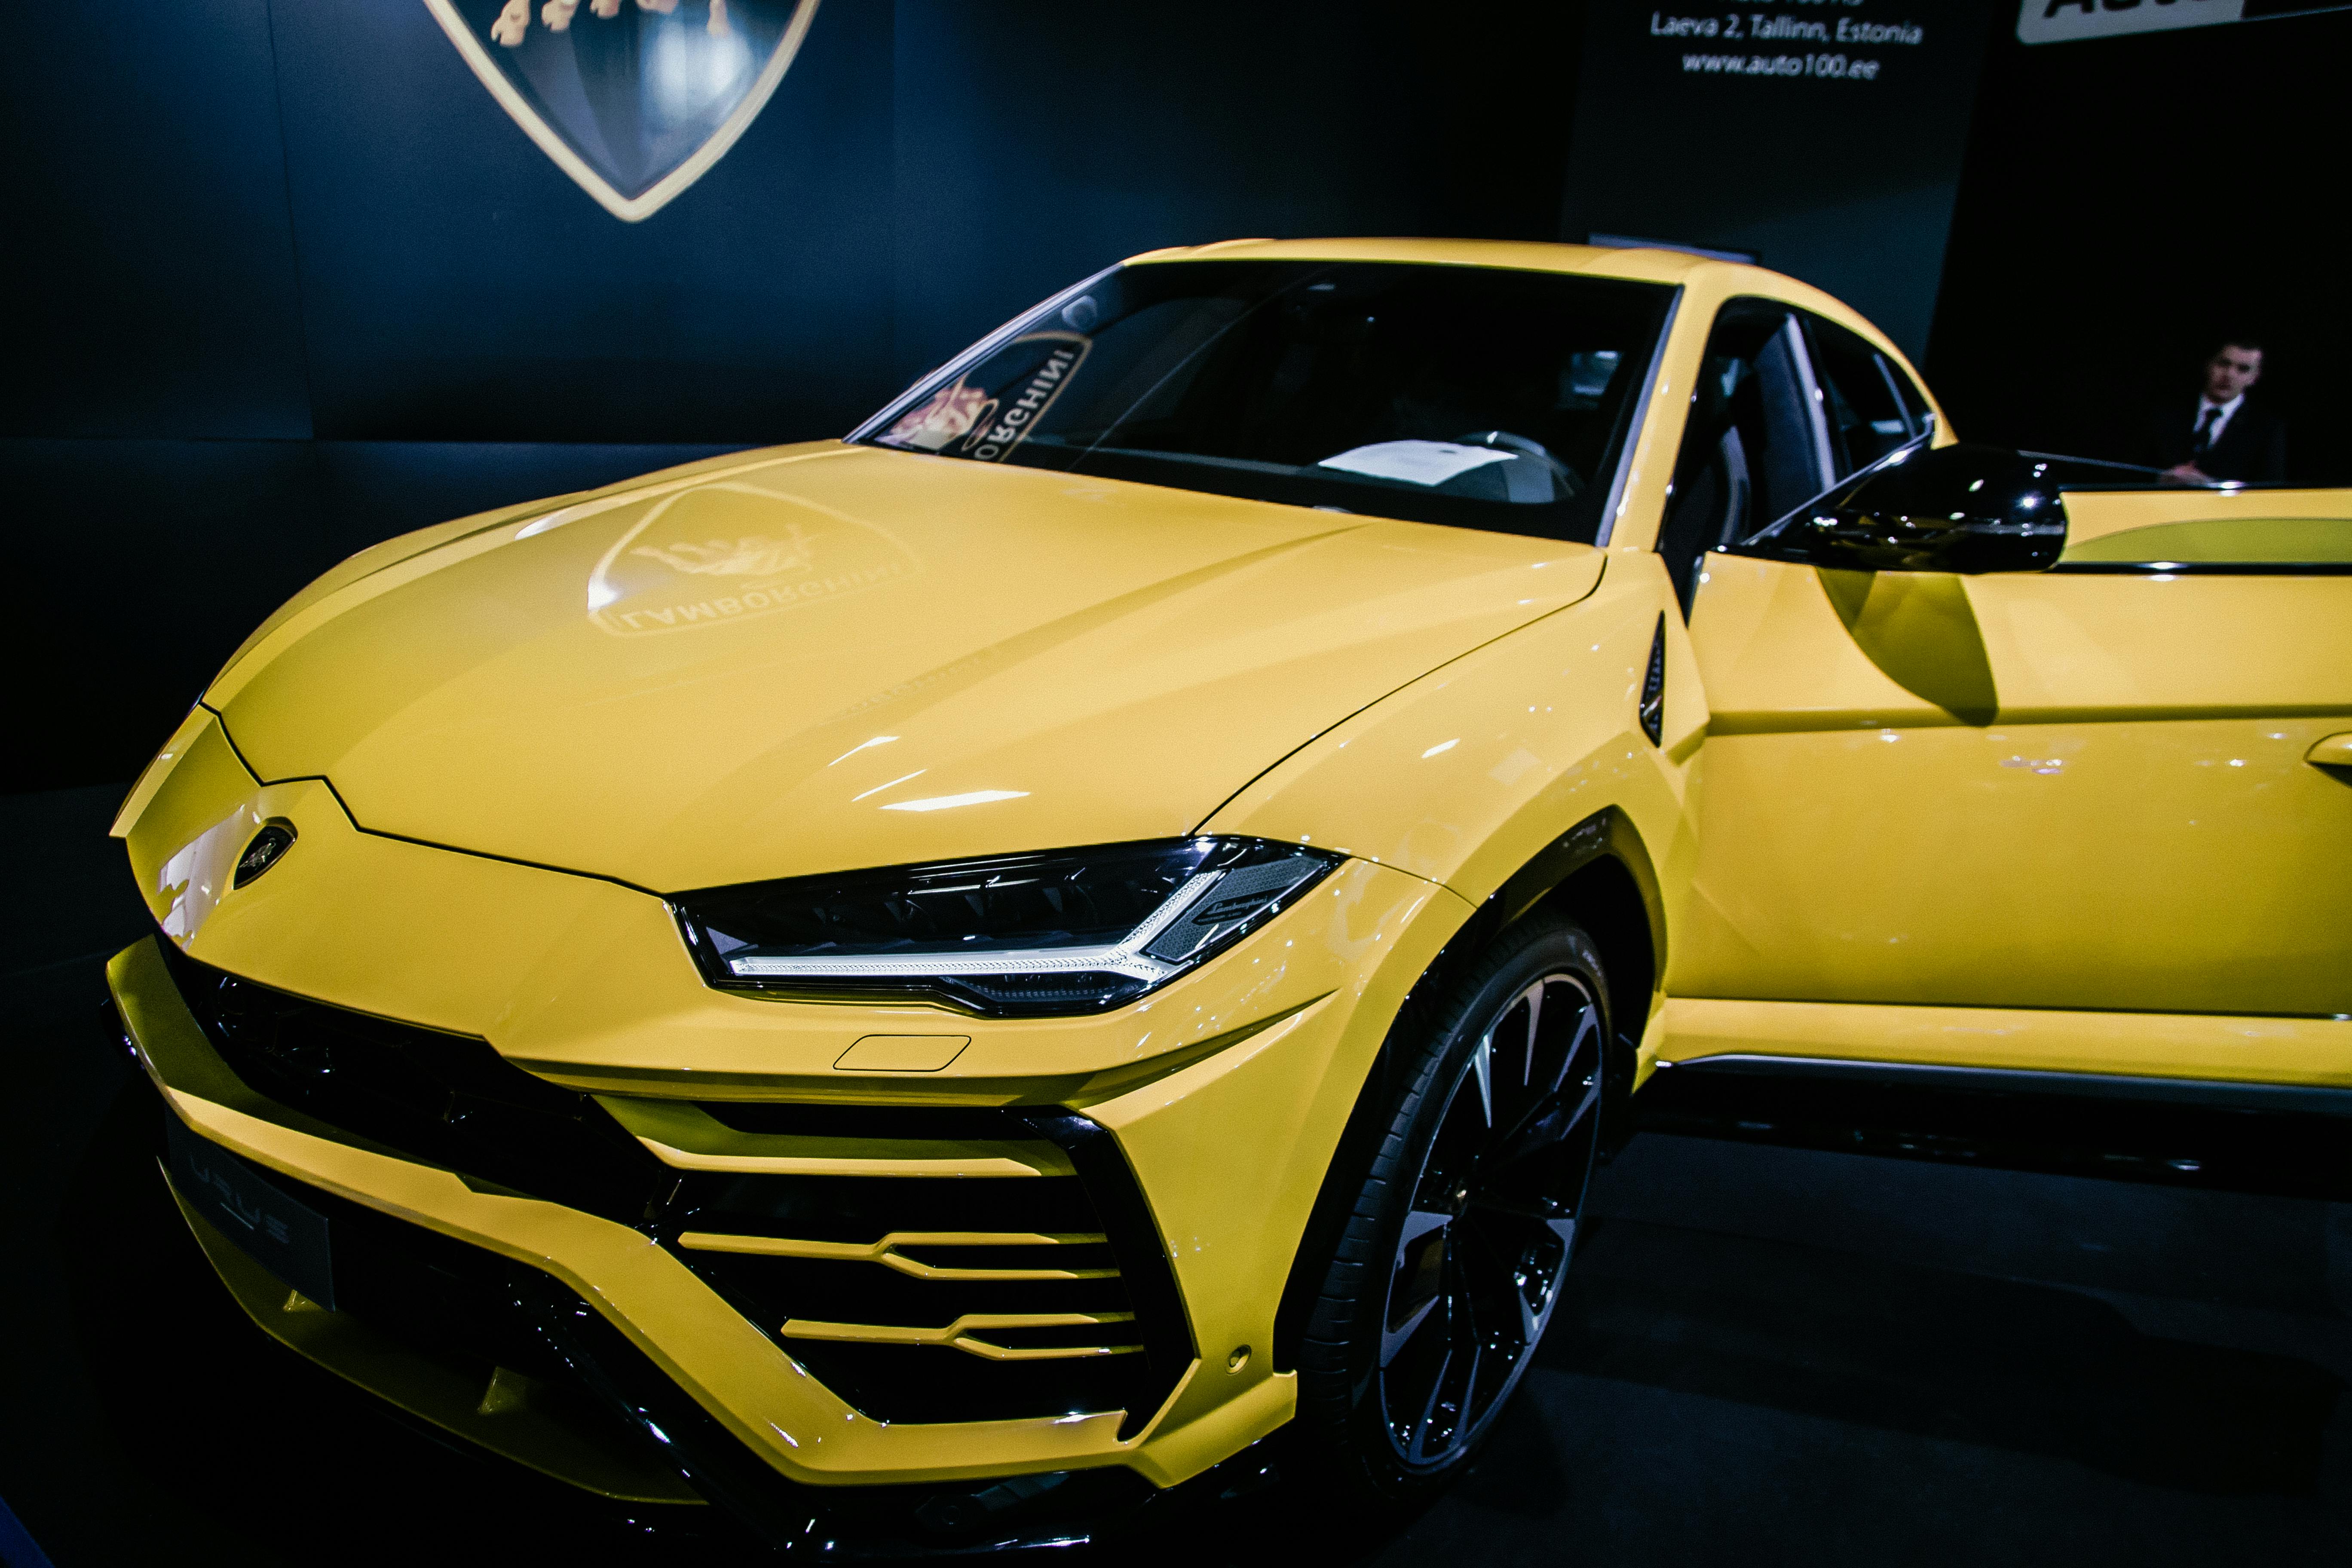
point(1755, 446)
point(1870, 406)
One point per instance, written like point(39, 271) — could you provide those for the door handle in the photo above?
point(2334, 751)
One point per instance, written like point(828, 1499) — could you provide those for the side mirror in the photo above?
point(1962, 508)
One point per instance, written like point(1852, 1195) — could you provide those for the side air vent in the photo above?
point(932, 1299)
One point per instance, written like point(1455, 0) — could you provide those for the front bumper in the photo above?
point(503, 1355)
point(1223, 1098)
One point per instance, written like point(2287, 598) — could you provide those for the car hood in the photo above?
point(836, 656)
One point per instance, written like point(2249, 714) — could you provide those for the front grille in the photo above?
point(913, 1299)
point(449, 1101)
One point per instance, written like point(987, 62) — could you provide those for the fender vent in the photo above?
point(1652, 711)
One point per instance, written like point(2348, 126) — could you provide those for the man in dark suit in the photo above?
point(2224, 437)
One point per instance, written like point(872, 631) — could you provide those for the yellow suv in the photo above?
point(937, 987)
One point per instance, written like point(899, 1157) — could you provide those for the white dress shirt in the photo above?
point(2229, 411)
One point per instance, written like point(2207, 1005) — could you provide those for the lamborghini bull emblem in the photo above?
point(634, 100)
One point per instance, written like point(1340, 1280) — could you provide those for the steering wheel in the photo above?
point(1545, 479)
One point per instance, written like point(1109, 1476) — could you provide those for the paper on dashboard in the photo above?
point(1414, 462)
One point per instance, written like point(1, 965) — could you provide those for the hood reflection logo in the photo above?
point(754, 556)
point(636, 99)
point(727, 552)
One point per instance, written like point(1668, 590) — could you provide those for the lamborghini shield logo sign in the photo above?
point(634, 100)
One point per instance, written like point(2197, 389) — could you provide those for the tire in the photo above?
point(1452, 1256)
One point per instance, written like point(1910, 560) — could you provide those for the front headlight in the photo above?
point(1067, 931)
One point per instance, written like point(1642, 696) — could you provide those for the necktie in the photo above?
point(2207, 417)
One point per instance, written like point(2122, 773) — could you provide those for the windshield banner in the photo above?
point(993, 406)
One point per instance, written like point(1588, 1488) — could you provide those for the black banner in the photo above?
point(1821, 137)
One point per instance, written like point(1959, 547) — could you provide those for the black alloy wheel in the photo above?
point(1454, 1259)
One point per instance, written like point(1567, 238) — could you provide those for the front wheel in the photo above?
point(1453, 1256)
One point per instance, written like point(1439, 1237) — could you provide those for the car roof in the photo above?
point(1647, 264)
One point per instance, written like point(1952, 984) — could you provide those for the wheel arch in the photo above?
point(1598, 875)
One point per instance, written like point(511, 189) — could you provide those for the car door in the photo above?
point(2104, 786)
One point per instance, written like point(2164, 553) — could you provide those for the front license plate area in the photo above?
point(280, 1233)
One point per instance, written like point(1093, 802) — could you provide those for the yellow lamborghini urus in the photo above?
point(929, 989)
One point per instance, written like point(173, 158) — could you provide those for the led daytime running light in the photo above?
point(1126, 958)
point(1037, 934)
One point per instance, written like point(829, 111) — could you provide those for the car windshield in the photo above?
point(1472, 396)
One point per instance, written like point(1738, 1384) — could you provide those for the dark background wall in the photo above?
point(285, 280)
point(289, 222)
point(2125, 202)
point(1844, 177)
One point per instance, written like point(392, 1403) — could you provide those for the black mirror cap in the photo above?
point(1965, 508)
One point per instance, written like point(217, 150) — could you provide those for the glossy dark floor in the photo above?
point(1769, 1354)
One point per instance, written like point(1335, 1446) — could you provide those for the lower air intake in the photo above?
point(949, 1299)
